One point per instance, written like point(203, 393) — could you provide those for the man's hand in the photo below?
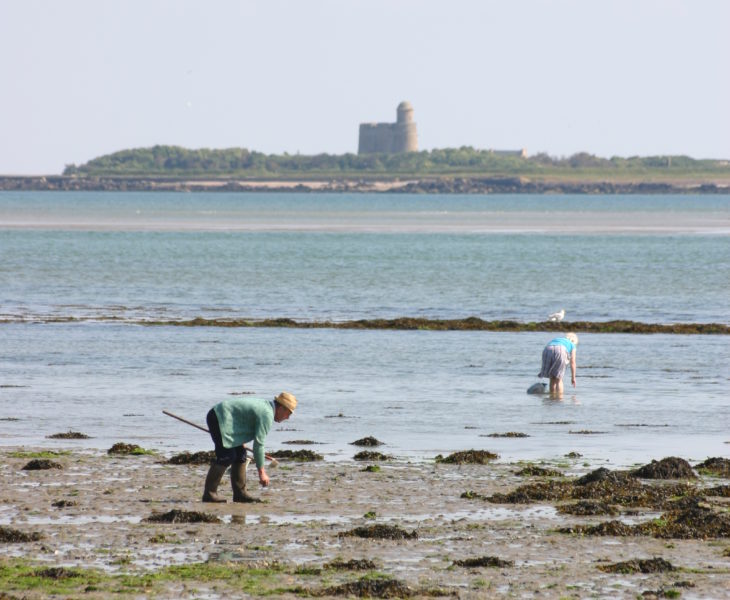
point(263, 477)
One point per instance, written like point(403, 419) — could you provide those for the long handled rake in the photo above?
point(274, 462)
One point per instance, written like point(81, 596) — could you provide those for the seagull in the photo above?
point(558, 316)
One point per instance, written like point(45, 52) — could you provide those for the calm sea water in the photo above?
point(165, 257)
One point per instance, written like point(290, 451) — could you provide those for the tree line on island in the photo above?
point(175, 161)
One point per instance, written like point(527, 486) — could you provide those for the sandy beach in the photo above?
point(90, 514)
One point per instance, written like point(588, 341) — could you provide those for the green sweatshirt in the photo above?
point(244, 419)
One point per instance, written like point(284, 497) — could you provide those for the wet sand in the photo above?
point(285, 545)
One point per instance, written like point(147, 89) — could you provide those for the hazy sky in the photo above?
point(82, 78)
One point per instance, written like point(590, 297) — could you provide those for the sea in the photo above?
point(92, 285)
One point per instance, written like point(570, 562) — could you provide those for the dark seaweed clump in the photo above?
point(484, 561)
point(371, 455)
point(196, 458)
point(381, 587)
point(472, 495)
point(474, 457)
point(300, 442)
point(535, 471)
point(666, 468)
point(602, 474)
point(9, 535)
point(535, 492)
point(687, 513)
point(123, 449)
point(612, 487)
point(64, 503)
point(650, 565)
point(693, 523)
point(587, 508)
point(466, 324)
point(380, 532)
point(69, 435)
point(182, 516)
point(573, 455)
point(367, 441)
point(720, 490)
point(41, 464)
point(509, 434)
point(715, 466)
point(368, 588)
point(298, 455)
point(362, 564)
point(57, 573)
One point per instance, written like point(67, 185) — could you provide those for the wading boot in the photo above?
point(215, 474)
point(238, 483)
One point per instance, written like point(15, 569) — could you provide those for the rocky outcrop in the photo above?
point(432, 185)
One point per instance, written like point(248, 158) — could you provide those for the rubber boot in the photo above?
point(213, 479)
point(238, 483)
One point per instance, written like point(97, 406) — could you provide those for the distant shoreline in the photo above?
point(424, 185)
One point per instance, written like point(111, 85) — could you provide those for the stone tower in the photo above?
point(390, 138)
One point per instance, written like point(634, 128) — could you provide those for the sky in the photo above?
point(84, 78)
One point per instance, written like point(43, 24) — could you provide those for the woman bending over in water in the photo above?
point(555, 358)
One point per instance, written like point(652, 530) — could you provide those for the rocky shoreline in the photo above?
point(427, 185)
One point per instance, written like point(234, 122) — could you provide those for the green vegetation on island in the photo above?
point(174, 161)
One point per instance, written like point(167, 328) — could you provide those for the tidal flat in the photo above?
point(109, 525)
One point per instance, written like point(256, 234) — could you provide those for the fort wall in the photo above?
point(390, 138)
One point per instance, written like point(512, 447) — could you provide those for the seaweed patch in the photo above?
point(612, 487)
point(371, 469)
point(666, 468)
point(535, 471)
point(41, 464)
point(64, 503)
point(10, 535)
point(371, 455)
point(379, 587)
point(694, 523)
point(120, 448)
point(362, 564)
point(484, 561)
point(472, 495)
point(195, 458)
point(465, 324)
point(68, 435)
point(182, 516)
point(649, 565)
point(473, 457)
point(380, 532)
point(367, 588)
point(587, 508)
point(367, 441)
point(298, 455)
point(57, 573)
point(715, 466)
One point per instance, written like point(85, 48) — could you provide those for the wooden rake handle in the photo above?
point(169, 414)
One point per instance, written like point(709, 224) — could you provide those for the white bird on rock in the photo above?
point(557, 316)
